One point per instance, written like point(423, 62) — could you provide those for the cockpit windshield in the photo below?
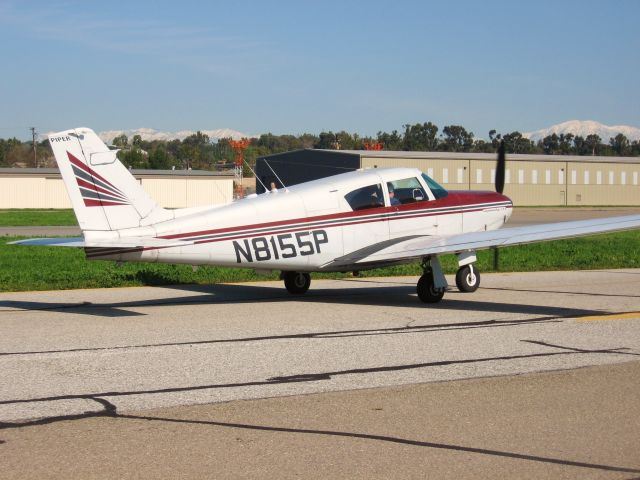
point(437, 189)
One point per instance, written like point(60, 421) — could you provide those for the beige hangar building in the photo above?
point(44, 188)
point(530, 180)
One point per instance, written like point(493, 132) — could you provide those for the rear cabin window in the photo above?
point(365, 198)
point(407, 190)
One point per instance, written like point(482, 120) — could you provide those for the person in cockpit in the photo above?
point(392, 196)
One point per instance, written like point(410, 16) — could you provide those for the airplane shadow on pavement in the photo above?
point(395, 295)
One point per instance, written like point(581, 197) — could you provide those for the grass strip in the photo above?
point(37, 218)
point(58, 268)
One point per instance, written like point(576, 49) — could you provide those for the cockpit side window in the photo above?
point(438, 190)
point(365, 197)
point(407, 190)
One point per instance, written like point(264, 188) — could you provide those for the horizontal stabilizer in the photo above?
point(127, 242)
point(77, 242)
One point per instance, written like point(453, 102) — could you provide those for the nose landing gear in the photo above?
point(468, 278)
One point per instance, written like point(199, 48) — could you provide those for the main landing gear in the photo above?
point(296, 283)
point(432, 284)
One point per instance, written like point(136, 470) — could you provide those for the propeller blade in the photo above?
point(500, 166)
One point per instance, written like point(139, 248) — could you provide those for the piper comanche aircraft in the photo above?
point(349, 222)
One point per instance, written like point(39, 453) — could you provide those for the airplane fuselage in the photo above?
point(305, 227)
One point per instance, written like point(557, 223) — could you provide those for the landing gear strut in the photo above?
point(468, 278)
point(432, 284)
point(296, 283)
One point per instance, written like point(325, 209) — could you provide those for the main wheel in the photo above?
point(297, 283)
point(427, 292)
point(468, 278)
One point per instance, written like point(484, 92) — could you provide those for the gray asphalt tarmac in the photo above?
point(357, 379)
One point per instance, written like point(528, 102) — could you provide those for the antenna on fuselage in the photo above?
point(277, 177)
point(246, 164)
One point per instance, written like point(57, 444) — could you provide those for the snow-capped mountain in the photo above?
point(149, 134)
point(584, 128)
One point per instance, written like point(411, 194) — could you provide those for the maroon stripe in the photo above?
point(296, 229)
point(291, 230)
point(87, 169)
point(97, 188)
point(92, 202)
point(277, 223)
point(307, 227)
point(332, 216)
point(442, 203)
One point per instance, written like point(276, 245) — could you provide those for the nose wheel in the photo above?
point(296, 283)
point(468, 278)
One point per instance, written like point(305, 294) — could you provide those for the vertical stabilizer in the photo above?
point(104, 194)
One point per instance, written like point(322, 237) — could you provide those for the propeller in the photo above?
point(500, 165)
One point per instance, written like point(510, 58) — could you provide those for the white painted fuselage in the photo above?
point(306, 227)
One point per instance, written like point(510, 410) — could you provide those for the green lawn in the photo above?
point(52, 268)
point(39, 218)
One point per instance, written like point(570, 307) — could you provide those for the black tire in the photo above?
point(468, 280)
point(297, 283)
point(427, 292)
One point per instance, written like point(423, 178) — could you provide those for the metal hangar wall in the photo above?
point(533, 180)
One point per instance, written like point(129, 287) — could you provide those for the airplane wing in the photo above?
point(408, 249)
point(125, 242)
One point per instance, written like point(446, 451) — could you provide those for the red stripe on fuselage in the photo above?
point(454, 199)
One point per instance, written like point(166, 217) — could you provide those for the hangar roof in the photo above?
point(484, 156)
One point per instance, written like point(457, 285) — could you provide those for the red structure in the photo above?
point(239, 146)
point(372, 146)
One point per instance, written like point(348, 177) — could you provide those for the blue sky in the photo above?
point(302, 66)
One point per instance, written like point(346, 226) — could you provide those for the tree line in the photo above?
point(197, 151)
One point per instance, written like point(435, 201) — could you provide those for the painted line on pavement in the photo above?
point(611, 316)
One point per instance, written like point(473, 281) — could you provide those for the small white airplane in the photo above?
point(350, 222)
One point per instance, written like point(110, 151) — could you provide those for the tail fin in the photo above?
point(104, 195)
